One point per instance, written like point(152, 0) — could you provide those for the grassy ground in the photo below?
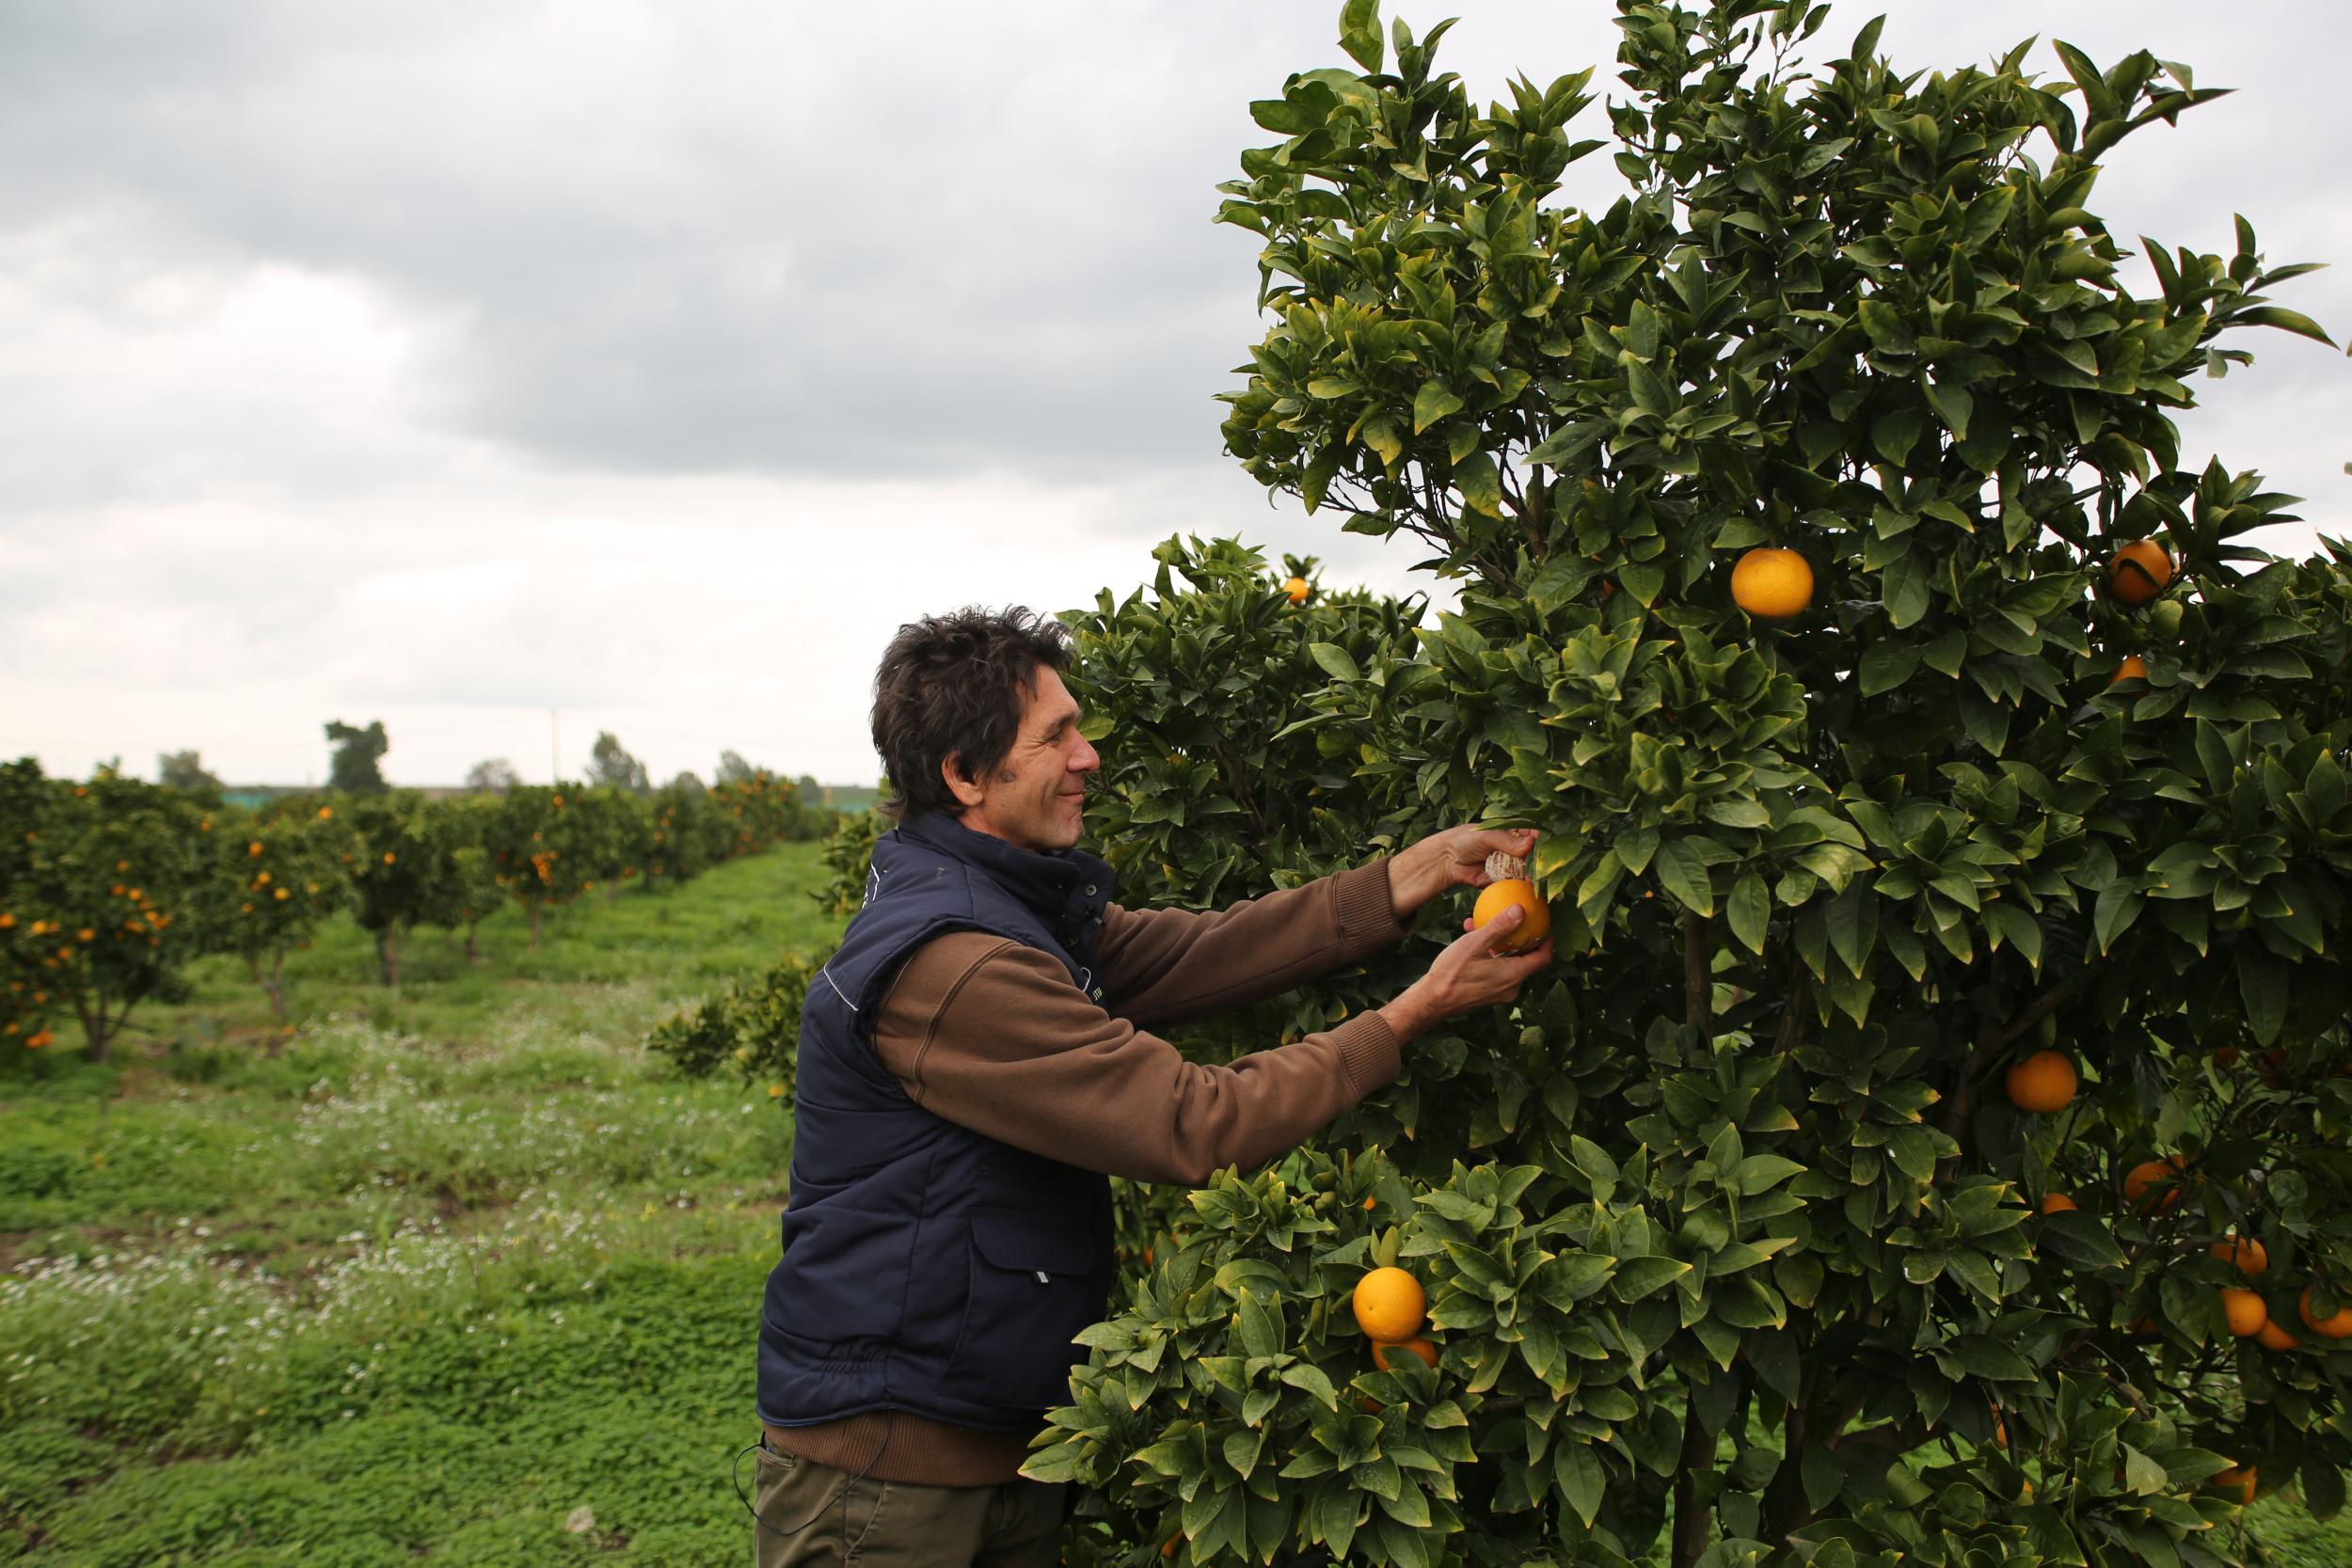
point(459, 1277)
point(459, 1262)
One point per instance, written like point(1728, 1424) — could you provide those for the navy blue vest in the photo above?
point(926, 1268)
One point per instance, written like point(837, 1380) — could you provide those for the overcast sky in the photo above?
point(450, 361)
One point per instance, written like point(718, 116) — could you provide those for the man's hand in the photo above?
point(1468, 976)
point(1455, 858)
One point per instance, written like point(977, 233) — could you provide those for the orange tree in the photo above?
point(552, 843)
point(279, 875)
point(847, 852)
point(686, 836)
point(760, 811)
point(474, 891)
point(1734, 1247)
point(101, 901)
point(405, 870)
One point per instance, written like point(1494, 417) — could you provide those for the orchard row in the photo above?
point(109, 888)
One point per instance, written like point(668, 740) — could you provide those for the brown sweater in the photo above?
point(993, 1036)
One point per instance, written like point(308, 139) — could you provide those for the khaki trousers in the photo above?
point(811, 1516)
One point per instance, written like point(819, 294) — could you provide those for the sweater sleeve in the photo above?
point(993, 1037)
point(1160, 966)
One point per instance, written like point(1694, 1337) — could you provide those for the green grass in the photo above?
point(456, 1262)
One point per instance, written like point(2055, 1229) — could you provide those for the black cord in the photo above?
point(736, 1474)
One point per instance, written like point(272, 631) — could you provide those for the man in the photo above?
point(973, 1065)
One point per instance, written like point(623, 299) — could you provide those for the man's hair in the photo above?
point(956, 684)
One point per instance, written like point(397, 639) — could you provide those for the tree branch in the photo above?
point(1698, 981)
point(1696, 1459)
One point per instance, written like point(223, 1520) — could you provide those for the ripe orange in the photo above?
point(1497, 896)
point(1297, 588)
point(1390, 1305)
point(2249, 1256)
point(2140, 571)
point(2144, 1176)
point(2058, 1203)
point(325, 812)
point(254, 848)
point(2245, 1311)
point(2274, 1338)
point(388, 857)
point(1771, 583)
point(2237, 1480)
point(2043, 1081)
point(2134, 668)
point(2336, 1325)
point(1422, 1348)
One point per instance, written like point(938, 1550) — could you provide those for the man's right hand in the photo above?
point(1468, 976)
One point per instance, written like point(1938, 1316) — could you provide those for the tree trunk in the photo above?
point(388, 956)
point(273, 985)
point(94, 1029)
point(473, 953)
point(537, 910)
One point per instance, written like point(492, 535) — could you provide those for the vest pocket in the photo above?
point(1029, 1294)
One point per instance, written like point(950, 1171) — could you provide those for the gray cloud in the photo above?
point(888, 240)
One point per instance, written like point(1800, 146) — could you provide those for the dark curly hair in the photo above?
point(956, 684)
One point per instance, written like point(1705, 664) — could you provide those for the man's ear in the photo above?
point(966, 792)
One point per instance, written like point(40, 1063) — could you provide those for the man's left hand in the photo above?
point(1455, 858)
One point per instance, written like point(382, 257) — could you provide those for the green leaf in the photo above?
point(1481, 485)
point(1580, 1481)
point(1337, 661)
point(1359, 32)
point(1433, 403)
point(1682, 871)
point(1886, 666)
point(1749, 910)
point(2286, 321)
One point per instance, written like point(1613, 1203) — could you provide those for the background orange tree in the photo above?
point(101, 900)
point(1736, 1247)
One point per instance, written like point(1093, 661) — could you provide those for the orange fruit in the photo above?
point(1168, 1546)
point(2134, 668)
point(2336, 1325)
point(1422, 1348)
point(2248, 1256)
point(2274, 1338)
point(1297, 588)
point(2145, 1328)
point(1497, 896)
point(2144, 1176)
point(388, 857)
point(2140, 571)
point(1771, 583)
point(2245, 1310)
point(325, 812)
point(2043, 1081)
point(2058, 1203)
point(2237, 1480)
point(1390, 1305)
point(254, 848)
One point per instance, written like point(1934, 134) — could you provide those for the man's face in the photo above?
point(1036, 796)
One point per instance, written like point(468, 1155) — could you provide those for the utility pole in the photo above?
point(555, 751)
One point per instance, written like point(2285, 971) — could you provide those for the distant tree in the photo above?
point(686, 783)
point(733, 769)
point(609, 762)
point(492, 773)
point(355, 768)
point(811, 792)
point(287, 870)
point(183, 770)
